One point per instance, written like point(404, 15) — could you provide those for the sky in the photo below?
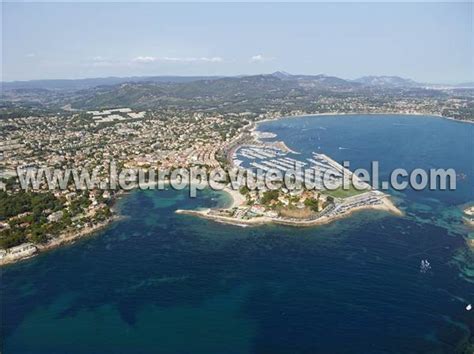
point(427, 42)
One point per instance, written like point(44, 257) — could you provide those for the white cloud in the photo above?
point(30, 55)
point(260, 58)
point(145, 59)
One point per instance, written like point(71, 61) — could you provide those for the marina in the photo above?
point(319, 175)
point(320, 171)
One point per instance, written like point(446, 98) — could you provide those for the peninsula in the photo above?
point(325, 202)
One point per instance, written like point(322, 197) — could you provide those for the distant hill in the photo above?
point(386, 81)
point(80, 84)
point(202, 92)
point(283, 75)
point(316, 81)
point(320, 81)
point(280, 91)
point(465, 85)
point(326, 82)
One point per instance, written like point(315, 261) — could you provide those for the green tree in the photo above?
point(268, 196)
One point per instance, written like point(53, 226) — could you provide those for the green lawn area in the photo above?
point(344, 193)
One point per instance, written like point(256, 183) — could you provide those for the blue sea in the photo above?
point(160, 282)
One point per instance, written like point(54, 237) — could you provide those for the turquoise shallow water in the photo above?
point(159, 282)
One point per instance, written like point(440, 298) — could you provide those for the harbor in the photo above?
point(327, 190)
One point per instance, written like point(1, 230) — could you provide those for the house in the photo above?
point(55, 217)
point(257, 210)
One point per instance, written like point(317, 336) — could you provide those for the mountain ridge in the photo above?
point(317, 79)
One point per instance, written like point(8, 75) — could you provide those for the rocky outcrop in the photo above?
point(16, 253)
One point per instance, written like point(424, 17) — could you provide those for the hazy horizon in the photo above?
point(226, 76)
